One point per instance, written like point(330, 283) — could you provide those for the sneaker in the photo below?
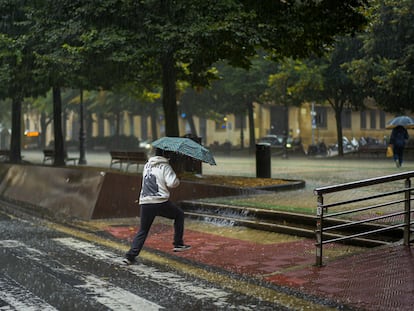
point(397, 163)
point(181, 248)
point(128, 261)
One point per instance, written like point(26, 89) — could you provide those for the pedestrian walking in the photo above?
point(399, 136)
point(157, 178)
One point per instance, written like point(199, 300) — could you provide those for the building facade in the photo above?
point(309, 122)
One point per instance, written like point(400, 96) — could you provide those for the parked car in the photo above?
point(272, 140)
point(276, 142)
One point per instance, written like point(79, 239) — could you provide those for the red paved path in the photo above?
point(377, 279)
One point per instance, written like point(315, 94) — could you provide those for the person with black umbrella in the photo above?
point(399, 136)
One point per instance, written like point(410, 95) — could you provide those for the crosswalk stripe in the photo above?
point(113, 297)
point(219, 297)
point(19, 298)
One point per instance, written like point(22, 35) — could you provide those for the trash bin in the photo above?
point(263, 167)
point(191, 165)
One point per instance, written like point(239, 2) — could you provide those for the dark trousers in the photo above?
point(398, 153)
point(148, 214)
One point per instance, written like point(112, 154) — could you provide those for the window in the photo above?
point(321, 117)
point(363, 119)
point(382, 119)
point(373, 119)
point(346, 118)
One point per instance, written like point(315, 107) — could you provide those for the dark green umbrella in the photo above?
point(185, 146)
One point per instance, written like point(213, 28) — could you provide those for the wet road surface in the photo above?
point(45, 267)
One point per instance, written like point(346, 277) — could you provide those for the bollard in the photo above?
point(263, 167)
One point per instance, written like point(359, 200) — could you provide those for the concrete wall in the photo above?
point(89, 193)
point(61, 191)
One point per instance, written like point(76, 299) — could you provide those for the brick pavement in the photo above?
point(364, 279)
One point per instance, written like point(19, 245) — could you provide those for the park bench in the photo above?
point(373, 150)
point(49, 155)
point(128, 158)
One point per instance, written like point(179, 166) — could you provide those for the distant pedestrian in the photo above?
point(399, 136)
point(157, 177)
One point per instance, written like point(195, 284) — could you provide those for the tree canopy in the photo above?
point(387, 68)
point(107, 43)
point(167, 41)
point(323, 79)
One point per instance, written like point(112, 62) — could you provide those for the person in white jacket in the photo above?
point(157, 177)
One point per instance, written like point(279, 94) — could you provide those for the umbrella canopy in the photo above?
point(404, 121)
point(185, 146)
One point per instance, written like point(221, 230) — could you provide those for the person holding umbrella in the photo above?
point(157, 177)
point(399, 135)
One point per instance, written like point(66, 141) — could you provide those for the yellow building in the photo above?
point(312, 123)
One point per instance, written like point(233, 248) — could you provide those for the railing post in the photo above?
point(319, 227)
point(407, 209)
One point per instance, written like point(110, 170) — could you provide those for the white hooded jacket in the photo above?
point(157, 177)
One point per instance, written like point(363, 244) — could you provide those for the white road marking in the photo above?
point(113, 297)
point(19, 298)
point(174, 281)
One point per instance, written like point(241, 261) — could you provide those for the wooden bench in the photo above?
point(377, 150)
point(121, 157)
point(49, 155)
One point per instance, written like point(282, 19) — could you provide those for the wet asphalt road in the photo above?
point(45, 269)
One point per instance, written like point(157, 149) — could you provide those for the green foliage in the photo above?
point(386, 70)
point(151, 44)
point(169, 41)
point(232, 91)
point(294, 82)
point(323, 79)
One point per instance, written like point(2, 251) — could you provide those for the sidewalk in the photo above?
point(355, 278)
point(358, 278)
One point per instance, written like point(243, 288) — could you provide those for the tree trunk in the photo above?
point(131, 124)
point(59, 159)
point(338, 113)
point(118, 124)
point(144, 126)
point(242, 117)
point(15, 142)
point(82, 143)
point(43, 127)
point(252, 137)
point(169, 96)
point(89, 125)
point(154, 129)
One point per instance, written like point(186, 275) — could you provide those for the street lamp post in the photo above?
point(82, 159)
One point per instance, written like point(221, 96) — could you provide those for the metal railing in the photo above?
point(361, 203)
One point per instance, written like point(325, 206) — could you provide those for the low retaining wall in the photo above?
point(61, 191)
point(91, 193)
